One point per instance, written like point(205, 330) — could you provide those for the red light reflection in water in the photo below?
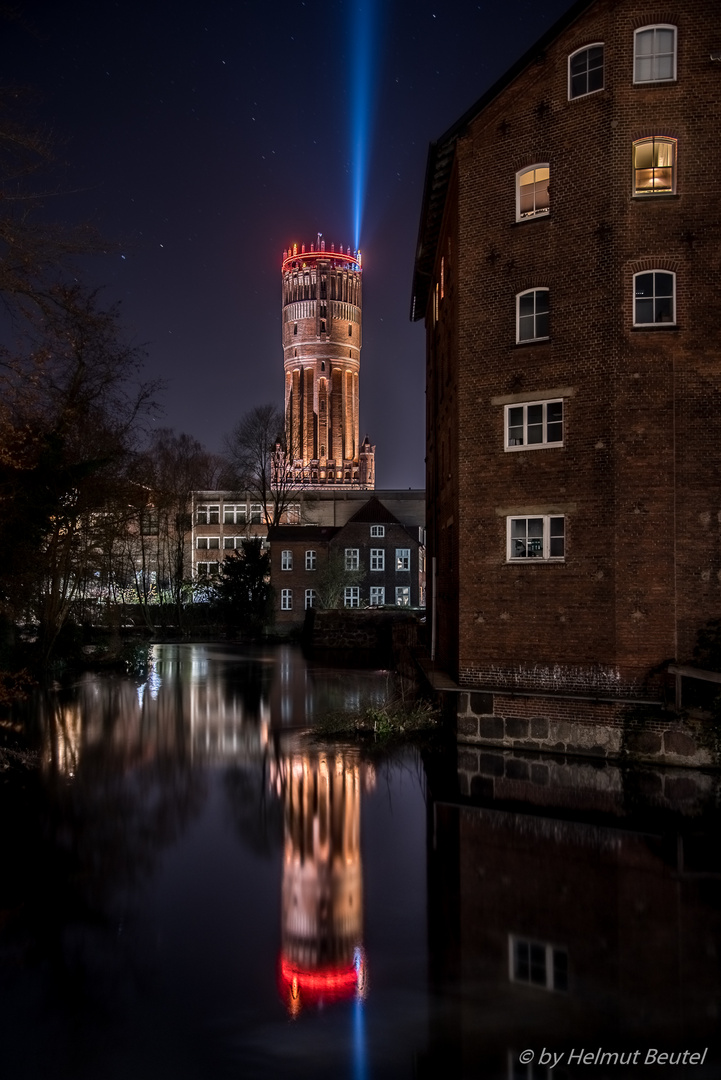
point(301, 987)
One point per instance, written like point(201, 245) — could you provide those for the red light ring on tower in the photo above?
point(351, 261)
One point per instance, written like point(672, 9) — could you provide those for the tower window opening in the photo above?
point(295, 328)
point(322, 326)
point(322, 365)
point(350, 330)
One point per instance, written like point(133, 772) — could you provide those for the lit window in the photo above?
point(286, 560)
point(585, 71)
point(403, 596)
point(378, 530)
point(654, 166)
point(310, 560)
point(536, 538)
point(378, 595)
point(539, 423)
point(351, 596)
point(208, 542)
point(538, 964)
point(378, 559)
point(403, 559)
point(309, 598)
point(532, 197)
point(286, 599)
point(352, 558)
point(654, 54)
point(654, 298)
point(234, 513)
point(532, 315)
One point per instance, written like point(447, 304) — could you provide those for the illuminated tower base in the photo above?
point(321, 346)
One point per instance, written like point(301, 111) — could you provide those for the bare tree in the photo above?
point(261, 461)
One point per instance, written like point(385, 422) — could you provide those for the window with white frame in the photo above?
point(352, 558)
point(541, 537)
point(403, 559)
point(377, 595)
point(309, 598)
point(535, 424)
point(654, 298)
point(351, 596)
point(585, 71)
point(207, 569)
point(378, 559)
point(654, 54)
point(234, 513)
point(403, 596)
point(378, 530)
point(207, 514)
point(532, 194)
point(286, 560)
point(233, 542)
point(256, 513)
point(292, 514)
point(310, 560)
point(532, 315)
point(205, 543)
point(286, 599)
point(654, 166)
point(537, 964)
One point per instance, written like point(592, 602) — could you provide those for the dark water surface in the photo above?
point(191, 887)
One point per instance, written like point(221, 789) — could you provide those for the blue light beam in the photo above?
point(362, 39)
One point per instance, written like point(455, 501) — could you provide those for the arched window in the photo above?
point(585, 71)
point(654, 54)
point(532, 194)
point(654, 166)
point(654, 298)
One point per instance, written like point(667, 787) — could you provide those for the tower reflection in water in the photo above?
point(322, 957)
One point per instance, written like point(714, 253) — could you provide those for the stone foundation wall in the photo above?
point(591, 729)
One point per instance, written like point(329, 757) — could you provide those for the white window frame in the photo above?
point(535, 316)
point(207, 514)
point(232, 543)
point(234, 513)
point(550, 953)
point(286, 599)
point(403, 560)
point(597, 89)
point(403, 596)
point(378, 531)
point(352, 558)
point(377, 595)
point(309, 598)
point(351, 596)
point(310, 559)
point(286, 559)
point(256, 514)
point(645, 193)
point(526, 405)
point(207, 569)
point(546, 538)
point(544, 211)
point(207, 543)
point(653, 28)
point(654, 297)
point(378, 559)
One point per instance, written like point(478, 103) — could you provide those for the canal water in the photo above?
point(192, 886)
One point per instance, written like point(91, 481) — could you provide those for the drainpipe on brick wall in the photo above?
point(433, 608)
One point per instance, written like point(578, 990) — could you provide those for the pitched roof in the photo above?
point(289, 533)
point(374, 511)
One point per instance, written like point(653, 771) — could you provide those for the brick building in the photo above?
point(322, 309)
point(567, 270)
point(384, 558)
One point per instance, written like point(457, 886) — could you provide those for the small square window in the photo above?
point(585, 71)
point(540, 538)
point(310, 560)
point(654, 166)
point(536, 424)
point(654, 54)
point(378, 530)
point(352, 559)
point(654, 298)
point(286, 560)
point(532, 192)
point(532, 315)
point(378, 559)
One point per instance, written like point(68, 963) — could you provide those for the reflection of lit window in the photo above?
point(352, 558)
point(536, 538)
point(532, 196)
point(654, 166)
point(654, 54)
point(585, 71)
point(403, 596)
point(351, 596)
point(654, 298)
point(286, 599)
point(286, 560)
point(538, 964)
point(378, 559)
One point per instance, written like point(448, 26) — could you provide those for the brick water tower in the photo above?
point(322, 306)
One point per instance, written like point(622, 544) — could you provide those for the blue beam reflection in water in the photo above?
point(191, 887)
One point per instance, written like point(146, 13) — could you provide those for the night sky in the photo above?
point(205, 138)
